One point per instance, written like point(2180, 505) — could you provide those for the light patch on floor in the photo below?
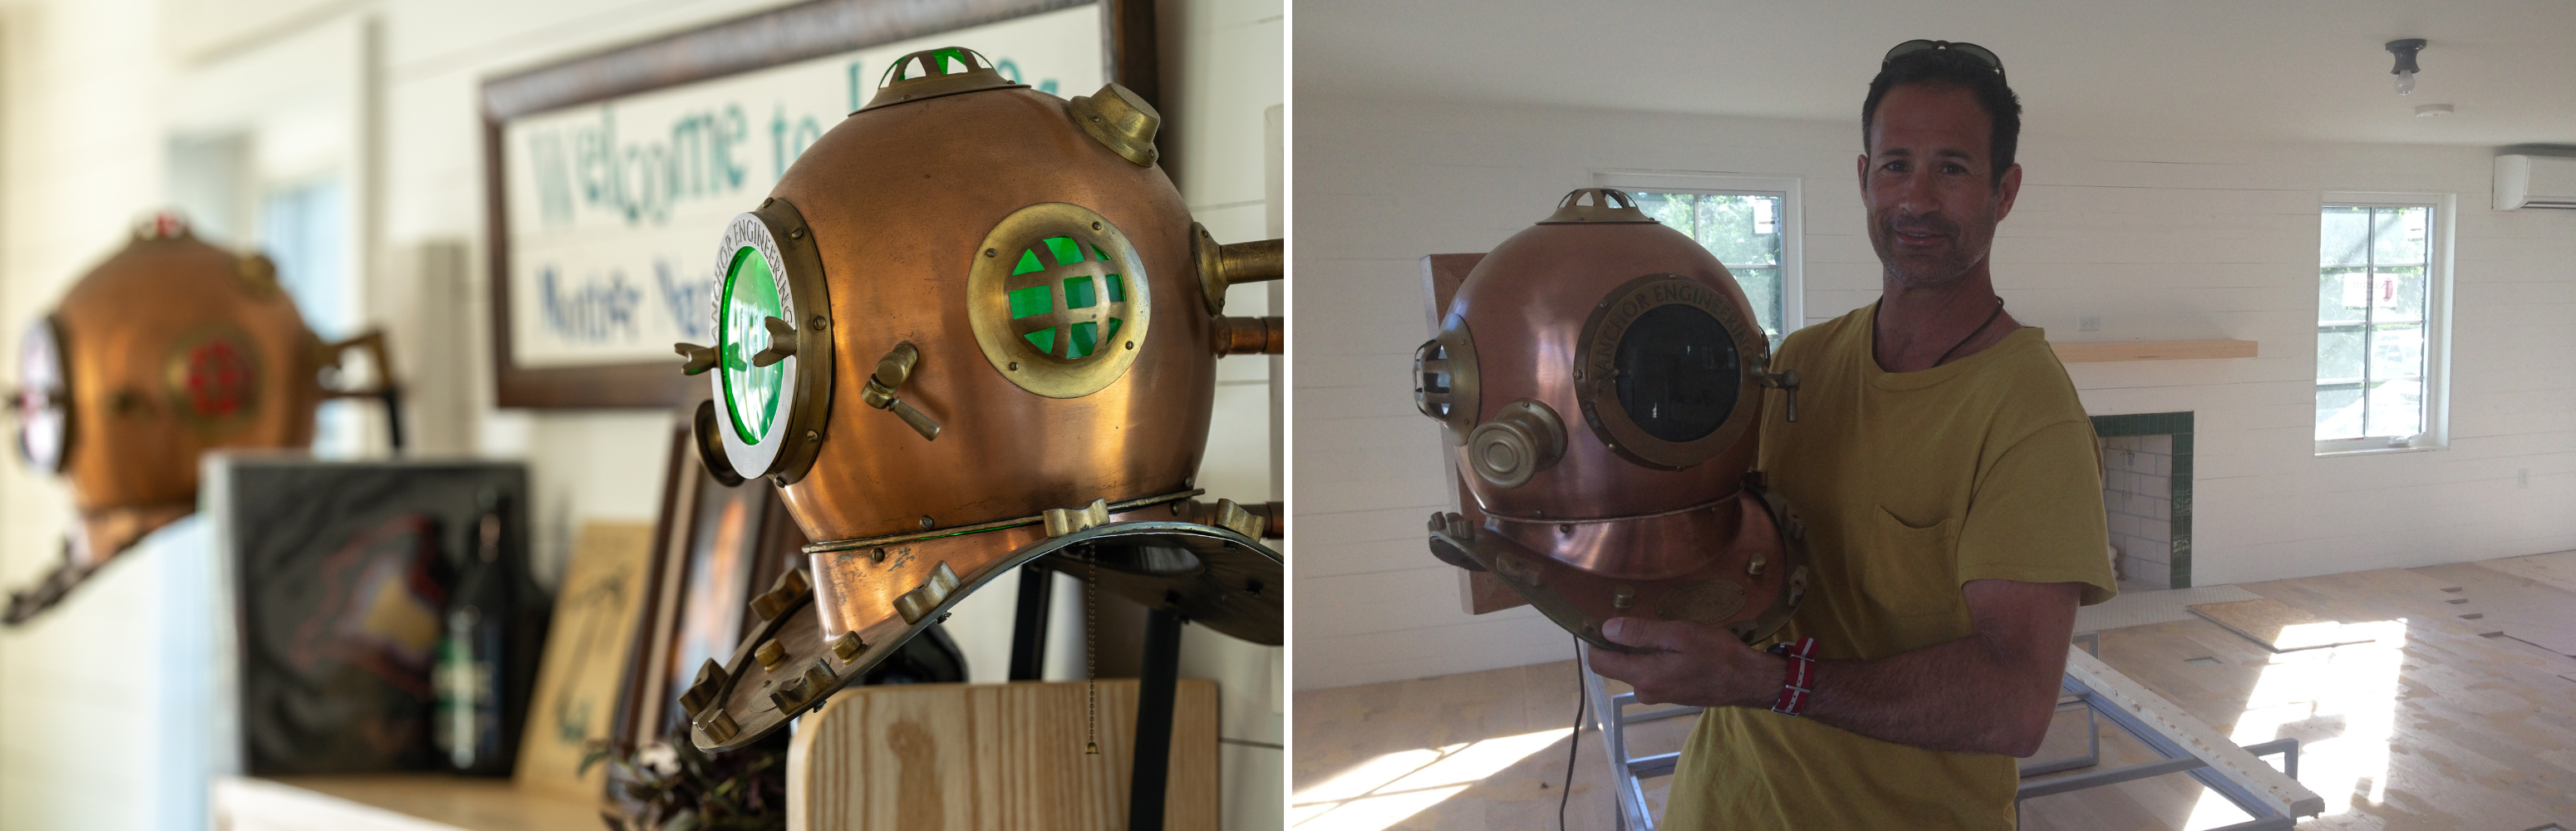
point(2352, 688)
point(1391, 788)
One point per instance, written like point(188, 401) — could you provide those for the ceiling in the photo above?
point(2310, 70)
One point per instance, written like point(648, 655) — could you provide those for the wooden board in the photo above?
point(2276, 625)
point(2152, 350)
point(991, 756)
point(2276, 789)
point(595, 623)
point(2528, 610)
point(393, 802)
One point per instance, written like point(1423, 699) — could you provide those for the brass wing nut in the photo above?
point(892, 370)
point(1121, 121)
point(1062, 521)
point(1233, 517)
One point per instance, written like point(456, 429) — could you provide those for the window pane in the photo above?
point(1729, 226)
point(2396, 352)
point(2339, 355)
point(2343, 296)
point(2338, 411)
point(2345, 237)
point(1674, 210)
point(2399, 293)
point(2397, 236)
point(2397, 408)
point(1762, 287)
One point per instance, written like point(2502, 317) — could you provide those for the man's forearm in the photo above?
point(1966, 695)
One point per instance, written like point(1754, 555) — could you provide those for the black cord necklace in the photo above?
point(1954, 348)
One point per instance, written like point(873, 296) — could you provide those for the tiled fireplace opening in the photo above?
point(2146, 495)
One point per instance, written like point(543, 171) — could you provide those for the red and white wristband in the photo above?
point(1800, 683)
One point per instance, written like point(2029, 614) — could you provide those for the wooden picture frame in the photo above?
point(714, 548)
point(803, 31)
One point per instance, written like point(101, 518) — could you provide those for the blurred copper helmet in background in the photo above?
point(966, 306)
point(1600, 377)
point(170, 348)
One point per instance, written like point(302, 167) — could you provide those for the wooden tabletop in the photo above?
point(394, 802)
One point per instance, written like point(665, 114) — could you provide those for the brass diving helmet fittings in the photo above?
point(973, 326)
point(170, 348)
point(1600, 379)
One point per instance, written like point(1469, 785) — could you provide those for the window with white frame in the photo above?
point(2382, 281)
point(1750, 224)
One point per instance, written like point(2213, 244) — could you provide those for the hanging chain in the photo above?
point(1091, 654)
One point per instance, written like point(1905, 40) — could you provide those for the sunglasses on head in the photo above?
point(1974, 52)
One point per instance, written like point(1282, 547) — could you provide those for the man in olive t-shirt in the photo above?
point(1952, 495)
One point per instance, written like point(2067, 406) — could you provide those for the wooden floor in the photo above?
point(2437, 723)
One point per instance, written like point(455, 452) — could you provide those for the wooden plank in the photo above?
point(991, 756)
point(2276, 625)
point(2276, 789)
point(393, 802)
point(2152, 350)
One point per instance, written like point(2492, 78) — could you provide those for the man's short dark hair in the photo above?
point(1945, 67)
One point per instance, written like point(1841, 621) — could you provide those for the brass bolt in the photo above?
point(813, 436)
point(991, 252)
point(1753, 567)
point(848, 646)
point(796, 234)
point(771, 654)
point(1623, 597)
point(925, 522)
point(1095, 226)
point(877, 555)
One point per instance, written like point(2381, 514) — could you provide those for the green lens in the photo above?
point(751, 392)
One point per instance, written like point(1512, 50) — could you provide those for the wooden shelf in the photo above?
point(2151, 350)
point(393, 802)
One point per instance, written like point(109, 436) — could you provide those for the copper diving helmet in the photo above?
point(170, 348)
point(1600, 380)
point(973, 326)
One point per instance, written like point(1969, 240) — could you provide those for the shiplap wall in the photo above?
point(2164, 240)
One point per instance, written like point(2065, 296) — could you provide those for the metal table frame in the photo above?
point(1610, 716)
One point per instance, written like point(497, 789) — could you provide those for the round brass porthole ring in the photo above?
point(1595, 373)
point(213, 375)
point(785, 445)
point(1059, 300)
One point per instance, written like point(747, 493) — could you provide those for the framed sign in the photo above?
point(610, 177)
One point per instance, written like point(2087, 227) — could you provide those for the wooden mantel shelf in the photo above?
point(2151, 350)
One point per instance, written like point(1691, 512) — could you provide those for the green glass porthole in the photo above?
point(751, 392)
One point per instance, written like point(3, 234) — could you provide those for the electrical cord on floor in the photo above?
point(1573, 741)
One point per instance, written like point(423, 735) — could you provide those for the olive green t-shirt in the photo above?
point(1911, 484)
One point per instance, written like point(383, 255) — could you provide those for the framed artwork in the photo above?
point(609, 177)
point(342, 571)
point(597, 607)
point(715, 548)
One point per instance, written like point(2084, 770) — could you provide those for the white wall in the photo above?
point(2163, 240)
point(82, 142)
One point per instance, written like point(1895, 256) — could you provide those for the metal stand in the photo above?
point(1610, 716)
point(1154, 720)
point(2176, 759)
point(1029, 625)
